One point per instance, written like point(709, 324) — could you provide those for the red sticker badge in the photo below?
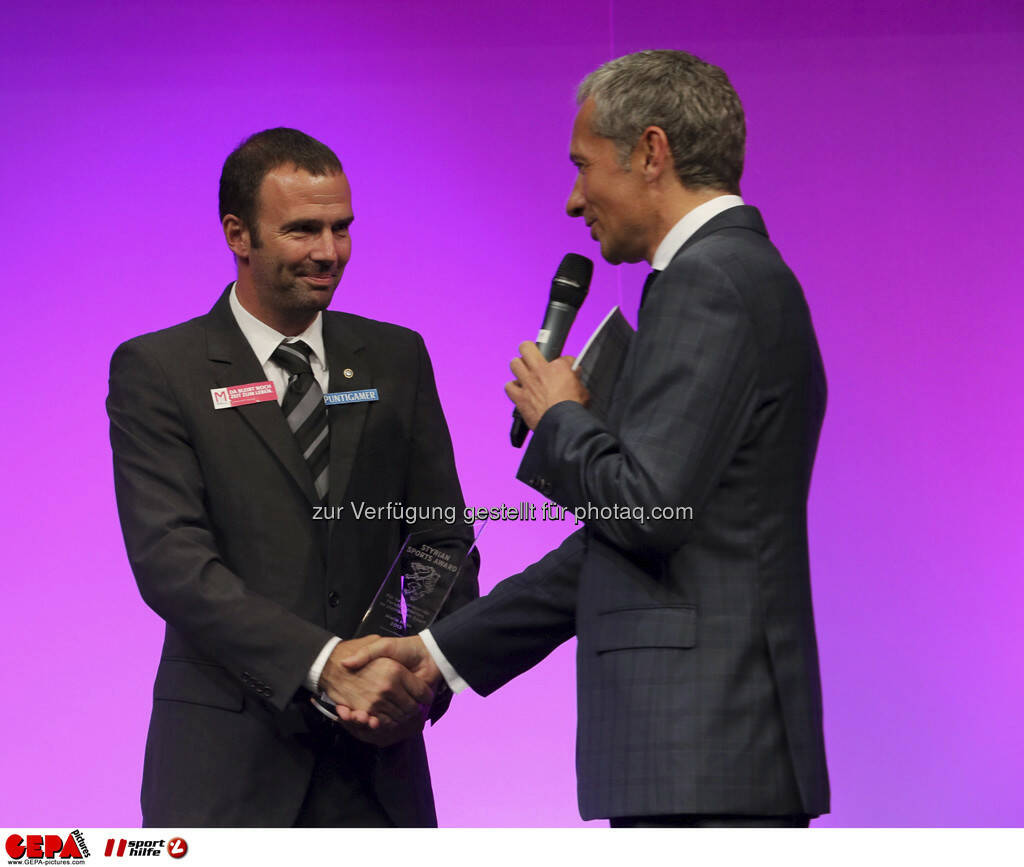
point(240, 395)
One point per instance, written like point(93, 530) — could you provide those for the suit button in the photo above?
point(333, 599)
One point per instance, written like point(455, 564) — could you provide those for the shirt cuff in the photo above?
point(317, 668)
point(455, 683)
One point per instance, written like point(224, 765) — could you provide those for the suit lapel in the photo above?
point(349, 370)
point(232, 362)
point(740, 217)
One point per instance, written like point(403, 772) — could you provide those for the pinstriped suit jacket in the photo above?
point(697, 666)
point(217, 509)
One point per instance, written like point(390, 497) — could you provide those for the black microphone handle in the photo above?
point(558, 319)
point(519, 430)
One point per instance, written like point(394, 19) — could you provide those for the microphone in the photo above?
point(568, 290)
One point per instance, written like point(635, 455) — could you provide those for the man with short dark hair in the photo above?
point(698, 685)
point(225, 453)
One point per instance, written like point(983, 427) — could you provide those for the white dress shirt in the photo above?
point(682, 231)
point(264, 340)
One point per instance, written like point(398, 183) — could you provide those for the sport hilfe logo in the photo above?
point(52, 847)
point(176, 847)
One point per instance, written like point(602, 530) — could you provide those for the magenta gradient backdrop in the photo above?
point(880, 153)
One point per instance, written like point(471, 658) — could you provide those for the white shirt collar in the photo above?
point(264, 340)
point(682, 231)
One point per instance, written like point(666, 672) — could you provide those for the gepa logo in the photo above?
point(52, 847)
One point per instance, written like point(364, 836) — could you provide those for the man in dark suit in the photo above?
point(698, 685)
point(220, 491)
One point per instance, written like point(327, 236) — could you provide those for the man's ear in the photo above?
point(655, 152)
point(237, 235)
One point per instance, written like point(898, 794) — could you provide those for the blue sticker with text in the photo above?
point(362, 396)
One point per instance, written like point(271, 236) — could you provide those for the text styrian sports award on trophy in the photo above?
point(415, 588)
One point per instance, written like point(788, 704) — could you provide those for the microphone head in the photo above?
point(572, 280)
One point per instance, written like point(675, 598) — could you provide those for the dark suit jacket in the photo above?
point(217, 511)
point(698, 686)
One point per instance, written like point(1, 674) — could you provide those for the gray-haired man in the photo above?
point(698, 684)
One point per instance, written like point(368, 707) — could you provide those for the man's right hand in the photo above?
point(411, 652)
point(382, 691)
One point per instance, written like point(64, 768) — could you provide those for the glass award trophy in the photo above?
point(415, 588)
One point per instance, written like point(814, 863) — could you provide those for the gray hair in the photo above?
point(692, 101)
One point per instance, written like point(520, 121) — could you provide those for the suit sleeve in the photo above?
point(171, 544)
point(512, 628)
point(433, 480)
point(688, 393)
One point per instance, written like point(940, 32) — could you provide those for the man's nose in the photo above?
point(324, 249)
point(574, 207)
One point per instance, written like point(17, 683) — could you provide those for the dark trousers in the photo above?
point(339, 794)
point(696, 820)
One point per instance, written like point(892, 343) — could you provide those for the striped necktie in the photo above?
point(304, 410)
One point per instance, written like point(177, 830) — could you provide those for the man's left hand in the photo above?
point(385, 736)
point(412, 655)
point(540, 384)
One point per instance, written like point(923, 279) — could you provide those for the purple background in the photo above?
point(880, 153)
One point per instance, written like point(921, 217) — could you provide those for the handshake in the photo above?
point(383, 687)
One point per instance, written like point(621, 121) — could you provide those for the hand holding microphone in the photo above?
point(539, 384)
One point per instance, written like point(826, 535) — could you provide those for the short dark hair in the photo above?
point(692, 101)
point(248, 164)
